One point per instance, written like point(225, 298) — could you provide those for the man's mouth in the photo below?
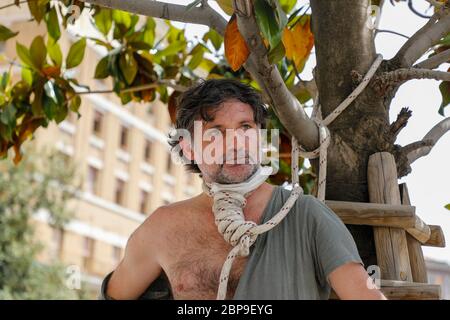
point(238, 161)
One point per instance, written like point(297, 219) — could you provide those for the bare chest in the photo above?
point(194, 259)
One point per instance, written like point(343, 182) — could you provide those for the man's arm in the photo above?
point(139, 266)
point(350, 282)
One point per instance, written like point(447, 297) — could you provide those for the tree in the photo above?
point(266, 44)
point(24, 189)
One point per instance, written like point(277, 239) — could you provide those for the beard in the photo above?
point(229, 174)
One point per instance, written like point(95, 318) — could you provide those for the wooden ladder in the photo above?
point(399, 233)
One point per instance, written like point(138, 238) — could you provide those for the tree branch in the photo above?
point(434, 61)
point(143, 87)
point(204, 15)
point(286, 106)
point(437, 27)
point(399, 123)
point(415, 150)
point(405, 74)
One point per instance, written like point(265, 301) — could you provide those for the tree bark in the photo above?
point(344, 43)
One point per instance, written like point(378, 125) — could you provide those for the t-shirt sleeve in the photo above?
point(332, 243)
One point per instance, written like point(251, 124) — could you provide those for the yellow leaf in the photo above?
point(236, 50)
point(18, 155)
point(298, 42)
point(226, 6)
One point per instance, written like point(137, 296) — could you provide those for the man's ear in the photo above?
point(187, 149)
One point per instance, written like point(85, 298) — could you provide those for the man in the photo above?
point(303, 257)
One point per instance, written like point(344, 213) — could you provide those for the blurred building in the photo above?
point(439, 273)
point(122, 154)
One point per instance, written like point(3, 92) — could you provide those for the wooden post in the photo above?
point(390, 243)
point(418, 267)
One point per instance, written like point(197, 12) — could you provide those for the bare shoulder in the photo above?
point(165, 217)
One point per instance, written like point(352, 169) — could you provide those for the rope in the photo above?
point(230, 199)
point(229, 217)
point(324, 133)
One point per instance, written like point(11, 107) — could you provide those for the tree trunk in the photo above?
point(345, 43)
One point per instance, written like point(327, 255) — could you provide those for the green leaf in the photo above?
point(6, 33)
point(277, 53)
point(271, 20)
point(4, 80)
point(287, 5)
point(444, 87)
point(75, 103)
point(445, 40)
point(24, 54)
point(122, 17)
point(54, 51)
point(38, 9)
point(8, 115)
point(173, 48)
point(140, 45)
point(76, 53)
point(21, 91)
point(36, 105)
point(215, 38)
point(102, 71)
point(50, 107)
point(103, 20)
point(38, 52)
point(53, 24)
point(27, 76)
point(128, 66)
point(196, 59)
point(149, 33)
point(447, 206)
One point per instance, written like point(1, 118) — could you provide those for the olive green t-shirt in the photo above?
point(293, 260)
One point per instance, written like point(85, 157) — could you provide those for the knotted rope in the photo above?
point(324, 133)
point(230, 199)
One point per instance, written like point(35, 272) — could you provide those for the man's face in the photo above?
point(229, 144)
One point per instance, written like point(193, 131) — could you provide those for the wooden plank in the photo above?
point(421, 231)
point(418, 267)
point(414, 291)
point(374, 214)
point(381, 215)
point(403, 290)
point(390, 243)
point(437, 238)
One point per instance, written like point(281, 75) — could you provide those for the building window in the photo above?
point(120, 192)
point(88, 252)
point(124, 138)
point(169, 164)
point(116, 255)
point(98, 124)
point(144, 202)
point(147, 150)
point(92, 180)
point(56, 243)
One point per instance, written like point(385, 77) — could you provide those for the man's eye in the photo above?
point(247, 126)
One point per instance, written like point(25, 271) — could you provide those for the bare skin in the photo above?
point(182, 239)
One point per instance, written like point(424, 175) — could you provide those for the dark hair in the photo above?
point(200, 99)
